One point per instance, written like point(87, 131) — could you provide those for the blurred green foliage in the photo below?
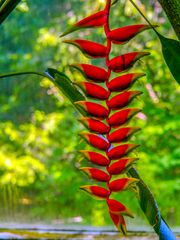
point(39, 159)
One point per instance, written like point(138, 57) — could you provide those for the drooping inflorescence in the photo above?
point(107, 112)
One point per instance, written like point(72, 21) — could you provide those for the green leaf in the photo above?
point(147, 201)
point(6, 8)
point(171, 53)
point(170, 49)
point(66, 86)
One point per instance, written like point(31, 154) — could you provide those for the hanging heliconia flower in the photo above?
point(107, 115)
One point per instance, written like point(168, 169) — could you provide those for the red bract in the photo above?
point(121, 184)
point(122, 99)
point(96, 174)
point(94, 109)
point(94, 90)
point(122, 82)
point(96, 158)
point(124, 62)
point(121, 134)
point(119, 222)
point(95, 20)
point(124, 34)
point(92, 72)
point(90, 49)
point(120, 151)
point(96, 191)
point(118, 208)
point(95, 125)
point(122, 116)
point(96, 141)
point(121, 165)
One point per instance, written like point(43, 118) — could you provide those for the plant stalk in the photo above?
point(23, 73)
point(7, 7)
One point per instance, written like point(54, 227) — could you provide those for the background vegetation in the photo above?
point(39, 159)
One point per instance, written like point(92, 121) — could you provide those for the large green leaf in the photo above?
point(6, 8)
point(170, 48)
point(171, 53)
point(147, 201)
point(66, 86)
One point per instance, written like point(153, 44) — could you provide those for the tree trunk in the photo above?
point(172, 9)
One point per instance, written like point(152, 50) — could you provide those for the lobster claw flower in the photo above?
point(96, 174)
point(122, 116)
point(124, 34)
point(92, 72)
point(96, 191)
point(122, 99)
point(121, 165)
point(121, 134)
point(119, 222)
point(122, 184)
point(90, 49)
point(118, 208)
point(94, 109)
point(96, 158)
point(105, 111)
point(122, 82)
point(95, 125)
point(96, 141)
point(121, 150)
point(124, 62)
point(94, 90)
point(95, 20)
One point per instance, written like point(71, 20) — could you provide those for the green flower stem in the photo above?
point(22, 73)
point(6, 8)
point(133, 3)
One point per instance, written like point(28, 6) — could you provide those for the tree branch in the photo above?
point(172, 9)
